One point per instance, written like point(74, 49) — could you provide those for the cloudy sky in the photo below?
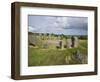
point(58, 25)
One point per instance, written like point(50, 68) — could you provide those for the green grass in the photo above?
point(43, 57)
point(83, 46)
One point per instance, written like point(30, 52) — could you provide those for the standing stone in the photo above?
point(73, 41)
point(64, 43)
point(32, 39)
point(76, 43)
point(60, 44)
point(69, 43)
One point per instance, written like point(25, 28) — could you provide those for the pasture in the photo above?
point(52, 56)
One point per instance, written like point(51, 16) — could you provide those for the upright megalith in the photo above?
point(74, 41)
point(59, 46)
point(69, 43)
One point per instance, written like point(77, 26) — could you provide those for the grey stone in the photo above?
point(76, 43)
point(69, 43)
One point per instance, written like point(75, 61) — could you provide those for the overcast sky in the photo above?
point(58, 25)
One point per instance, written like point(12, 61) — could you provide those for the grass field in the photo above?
point(43, 57)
